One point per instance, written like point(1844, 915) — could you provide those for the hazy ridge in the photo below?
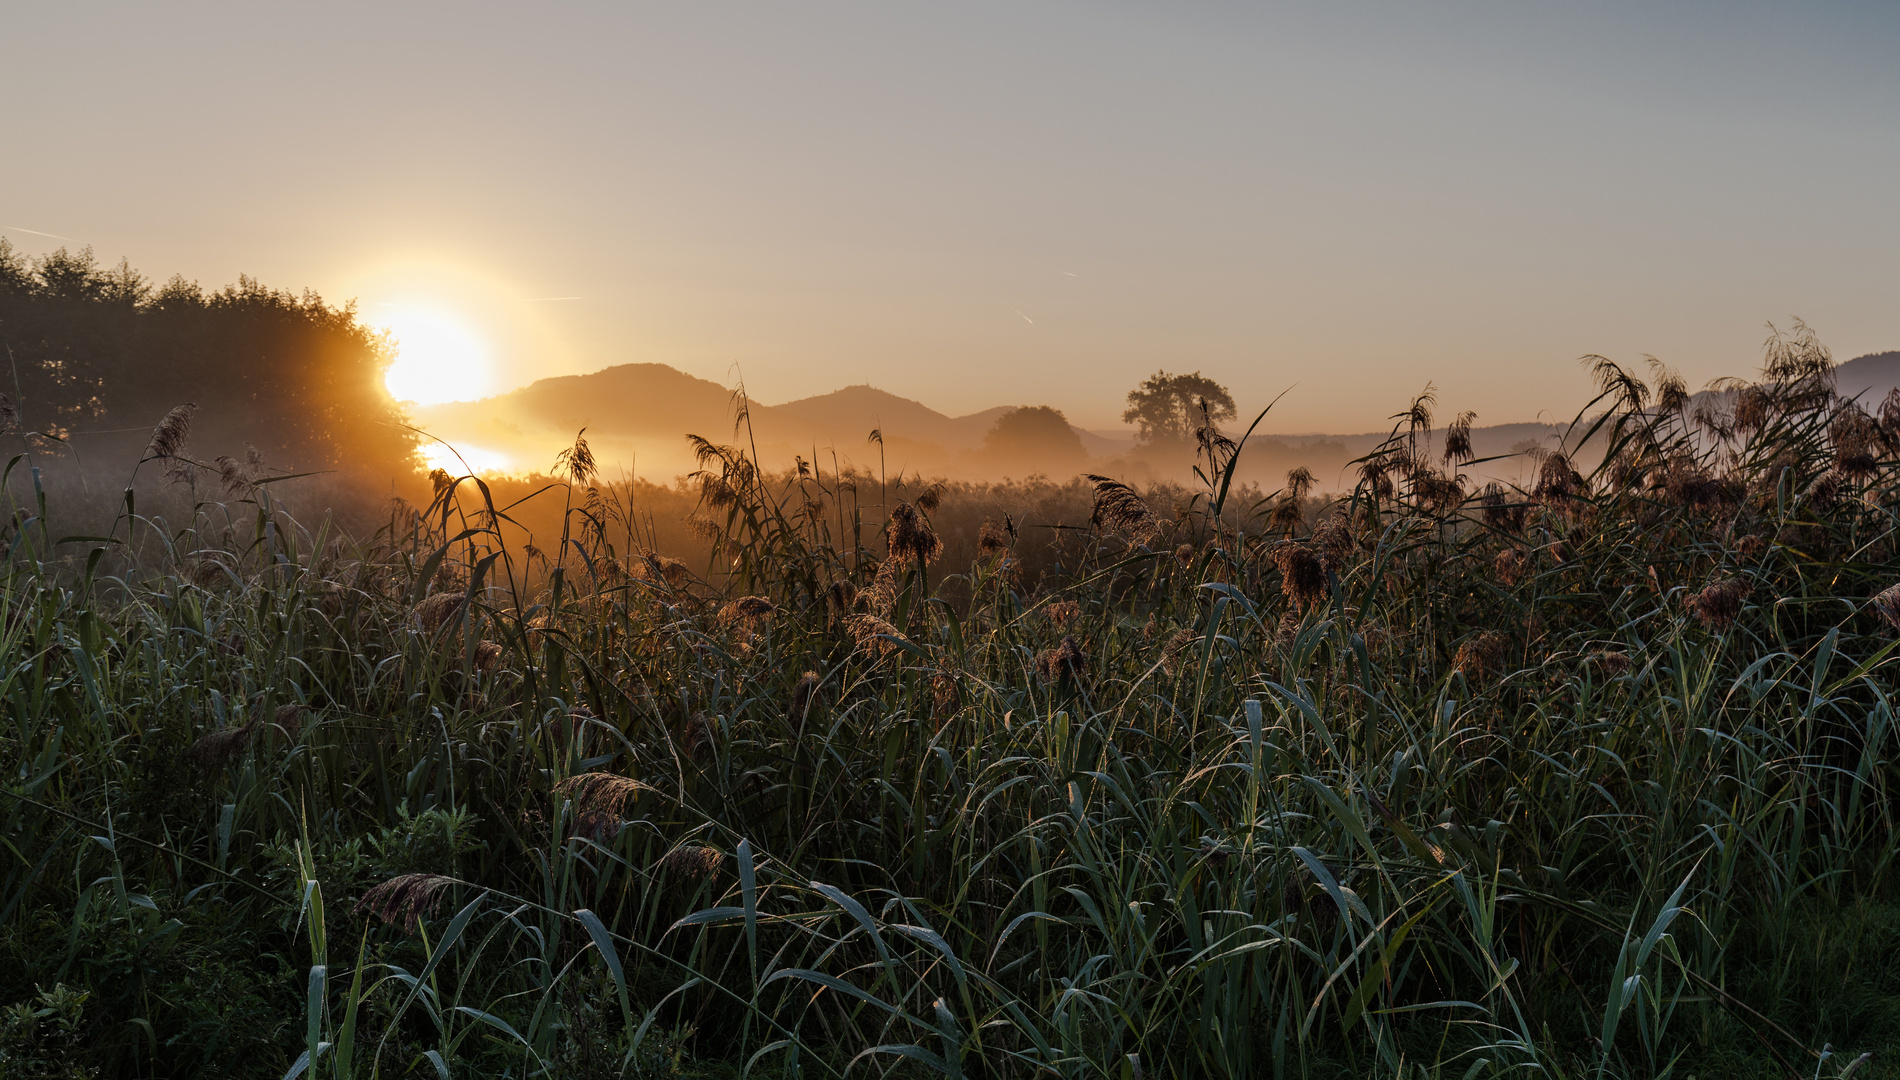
point(637, 417)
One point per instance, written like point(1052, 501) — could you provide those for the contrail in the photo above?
point(36, 232)
point(1065, 272)
point(1026, 318)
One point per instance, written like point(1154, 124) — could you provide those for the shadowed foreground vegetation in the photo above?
point(1589, 779)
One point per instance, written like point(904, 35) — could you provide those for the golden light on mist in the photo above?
point(464, 460)
point(439, 357)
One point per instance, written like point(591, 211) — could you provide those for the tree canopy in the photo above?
point(101, 349)
point(1169, 408)
point(1035, 437)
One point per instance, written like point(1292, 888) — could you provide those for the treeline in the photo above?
point(102, 351)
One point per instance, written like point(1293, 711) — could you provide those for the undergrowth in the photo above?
point(1589, 778)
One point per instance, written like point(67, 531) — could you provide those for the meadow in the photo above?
point(1591, 777)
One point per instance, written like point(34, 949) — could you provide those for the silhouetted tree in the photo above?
point(97, 348)
point(1167, 408)
point(1034, 437)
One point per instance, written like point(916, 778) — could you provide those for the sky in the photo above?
point(978, 204)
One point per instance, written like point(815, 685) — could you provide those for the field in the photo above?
point(1593, 778)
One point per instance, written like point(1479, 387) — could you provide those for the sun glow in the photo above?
point(460, 460)
point(438, 357)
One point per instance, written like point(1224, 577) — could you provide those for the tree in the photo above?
point(1169, 408)
point(98, 349)
point(1036, 437)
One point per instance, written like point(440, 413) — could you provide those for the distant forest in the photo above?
point(95, 349)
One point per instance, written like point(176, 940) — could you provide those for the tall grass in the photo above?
point(1587, 779)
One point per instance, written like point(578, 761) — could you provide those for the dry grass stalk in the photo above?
point(1299, 482)
point(745, 611)
point(598, 792)
point(1510, 565)
point(1302, 575)
point(872, 634)
point(692, 861)
point(945, 694)
point(1177, 649)
point(1613, 662)
point(1062, 612)
point(438, 608)
point(577, 461)
point(1500, 511)
point(990, 540)
point(1458, 440)
point(1717, 605)
point(212, 752)
point(403, 900)
point(1557, 480)
point(1119, 510)
point(1065, 660)
point(1887, 605)
point(803, 694)
point(910, 536)
point(168, 438)
point(1482, 655)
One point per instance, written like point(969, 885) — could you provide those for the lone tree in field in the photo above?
point(1167, 408)
point(1034, 437)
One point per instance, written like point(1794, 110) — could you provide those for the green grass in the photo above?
point(1228, 792)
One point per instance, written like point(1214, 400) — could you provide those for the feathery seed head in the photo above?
point(1458, 440)
point(1119, 510)
point(911, 537)
point(403, 900)
point(692, 861)
point(1482, 655)
point(1717, 605)
point(1064, 661)
point(168, 438)
point(1887, 605)
point(1062, 612)
point(1302, 575)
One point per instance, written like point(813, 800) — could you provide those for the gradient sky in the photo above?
point(982, 203)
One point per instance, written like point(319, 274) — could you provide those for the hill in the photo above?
point(637, 417)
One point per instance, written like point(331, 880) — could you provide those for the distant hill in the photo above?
point(637, 417)
point(1870, 377)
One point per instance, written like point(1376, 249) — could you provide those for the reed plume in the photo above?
point(577, 461)
point(168, 438)
point(990, 539)
point(1887, 605)
point(1062, 612)
point(911, 537)
point(1065, 660)
point(692, 861)
point(404, 899)
point(438, 608)
point(1717, 605)
point(872, 634)
point(1119, 510)
point(803, 694)
point(1458, 440)
point(1481, 655)
point(1302, 575)
point(599, 792)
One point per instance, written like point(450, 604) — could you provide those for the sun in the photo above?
point(438, 357)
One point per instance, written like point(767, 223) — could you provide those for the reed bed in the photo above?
point(1589, 778)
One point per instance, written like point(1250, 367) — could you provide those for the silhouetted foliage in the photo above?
point(1167, 408)
point(1036, 436)
point(93, 348)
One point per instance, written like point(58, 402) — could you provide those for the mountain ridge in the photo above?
point(640, 413)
